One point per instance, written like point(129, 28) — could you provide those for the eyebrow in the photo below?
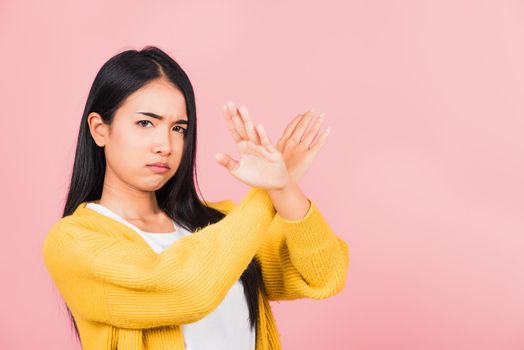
point(159, 117)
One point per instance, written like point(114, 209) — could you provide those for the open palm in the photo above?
point(259, 165)
point(298, 146)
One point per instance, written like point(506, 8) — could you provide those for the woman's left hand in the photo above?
point(298, 144)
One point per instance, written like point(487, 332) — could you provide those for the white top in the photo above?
point(227, 326)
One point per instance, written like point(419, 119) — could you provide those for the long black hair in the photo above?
point(119, 77)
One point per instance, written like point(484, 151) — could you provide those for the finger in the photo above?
point(226, 161)
point(230, 125)
point(302, 125)
point(248, 124)
point(237, 121)
point(320, 141)
point(313, 131)
point(291, 126)
point(281, 144)
point(264, 139)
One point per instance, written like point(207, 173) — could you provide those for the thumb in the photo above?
point(226, 161)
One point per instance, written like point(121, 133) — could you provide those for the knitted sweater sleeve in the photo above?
point(301, 258)
point(115, 281)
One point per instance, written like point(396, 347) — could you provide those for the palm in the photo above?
point(260, 163)
point(259, 168)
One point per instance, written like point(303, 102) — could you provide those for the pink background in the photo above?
point(422, 173)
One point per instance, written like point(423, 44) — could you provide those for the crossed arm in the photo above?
point(301, 258)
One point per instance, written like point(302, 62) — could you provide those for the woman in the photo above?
point(142, 263)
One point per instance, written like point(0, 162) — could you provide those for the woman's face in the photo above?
point(135, 140)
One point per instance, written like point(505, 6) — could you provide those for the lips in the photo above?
point(162, 165)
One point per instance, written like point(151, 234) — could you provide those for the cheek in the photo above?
point(126, 152)
point(178, 147)
point(178, 150)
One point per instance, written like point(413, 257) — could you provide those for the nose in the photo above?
point(162, 143)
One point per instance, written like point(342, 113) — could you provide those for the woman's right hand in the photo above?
point(260, 165)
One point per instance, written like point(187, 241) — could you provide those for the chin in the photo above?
point(153, 185)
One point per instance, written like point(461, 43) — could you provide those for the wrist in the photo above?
point(290, 202)
point(290, 186)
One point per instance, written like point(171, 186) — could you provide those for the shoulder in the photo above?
point(67, 231)
point(59, 230)
point(56, 241)
point(225, 205)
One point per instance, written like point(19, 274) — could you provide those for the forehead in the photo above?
point(159, 97)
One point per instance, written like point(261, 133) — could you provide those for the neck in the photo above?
point(127, 201)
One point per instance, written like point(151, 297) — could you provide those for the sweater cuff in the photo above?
point(296, 221)
point(310, 233)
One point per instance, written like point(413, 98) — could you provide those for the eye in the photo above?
point(183, 129)
point(140, 122)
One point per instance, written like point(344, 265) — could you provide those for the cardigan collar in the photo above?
point(94, 218)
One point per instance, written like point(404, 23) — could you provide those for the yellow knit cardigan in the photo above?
point(123, 294)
